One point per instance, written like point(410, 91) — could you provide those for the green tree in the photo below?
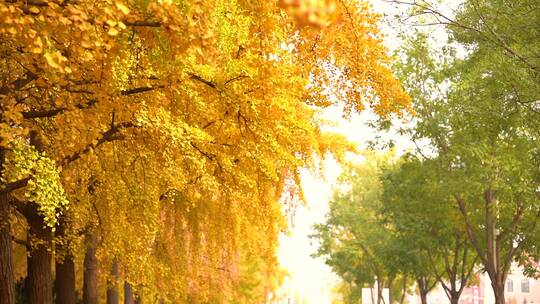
point(480, 115)
point(420, 209)
point(354, 240)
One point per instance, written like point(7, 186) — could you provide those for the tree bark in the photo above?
point(380, 288)
point(7, 282)
point(65, 269)
point(91, 275)
point(496, 269)
point(423, 288)
point(39, 261)
point(498, 290)
point(390, 284)
point(65, 281)
point(128, 294)
point(112, 286)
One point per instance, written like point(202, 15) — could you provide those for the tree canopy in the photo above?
point(149, 141)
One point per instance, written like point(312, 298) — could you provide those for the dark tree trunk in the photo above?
point(390, 286)
point(38, 285)
point(39, 278)
point(7, 282)
point(65, 281)
point(91, 275)
point(380, 288)
point(128, 294)
point(65, 269)
point(112, 286)
point(423, 288)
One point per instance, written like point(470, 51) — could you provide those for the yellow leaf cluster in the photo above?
point(176, 123)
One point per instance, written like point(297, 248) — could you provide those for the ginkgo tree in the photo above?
point(153, 138)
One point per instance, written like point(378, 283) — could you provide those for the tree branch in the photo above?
point(9, 187)
point(108, 136)
point(143, 23)
point(515, 220)
point(19, 83)
point(200, 79)
point(19, 241)
point(105, 137)
point(470, 230)
point(140, 90)
point(54, 112)
point(207, 155)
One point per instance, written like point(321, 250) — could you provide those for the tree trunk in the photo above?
point(423, 289)
point(7, 282)
point(112, 286)
point(65, 270)
point(380, 288)
point(39, 278)
point(91, 275)
point(454, 296)
point(128, 294)
point(65, 281)
point(404, 290)
point(390, 284)
point(380, 298)
point(498, 290)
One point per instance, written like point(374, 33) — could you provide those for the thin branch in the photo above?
point(140, 90)
point(210, 156)
point(468, 275)
point(108, 136)
point(495, 39)
point(18, 84)
point(19, 241)
point(86, 105)
point(470, 230)
point(200, 79)
point(437, 275)
point(515, 220)
point(235, 79)
point(143, 23)
point(9, 187)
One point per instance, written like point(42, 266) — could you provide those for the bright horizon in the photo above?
point(310, 278)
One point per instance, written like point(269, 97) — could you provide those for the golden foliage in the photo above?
point(173, 122)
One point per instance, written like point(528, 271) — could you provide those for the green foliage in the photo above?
point(479, 113)
point(355, 240)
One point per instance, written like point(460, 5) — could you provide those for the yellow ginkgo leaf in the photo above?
point(122, 7)
point(112, 31)
point(52, 60)
point(34, 10)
